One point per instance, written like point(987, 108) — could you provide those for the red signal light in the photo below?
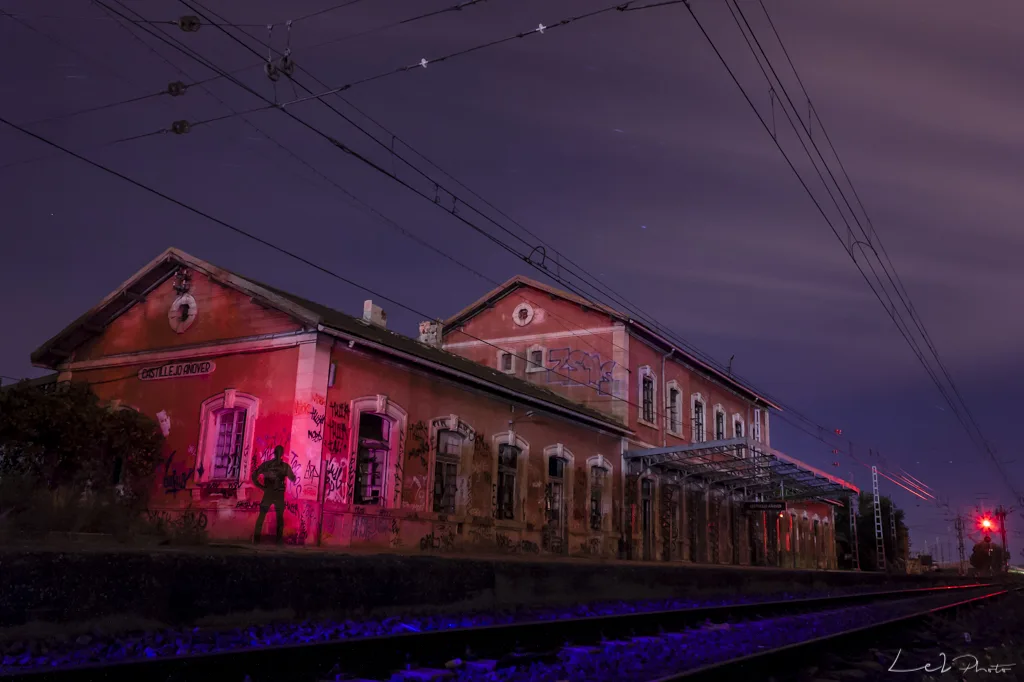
point(986, 523)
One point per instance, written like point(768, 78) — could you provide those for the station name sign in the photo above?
point(176, 370)
point(764, 506)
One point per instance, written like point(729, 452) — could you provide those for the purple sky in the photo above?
point(584, 134)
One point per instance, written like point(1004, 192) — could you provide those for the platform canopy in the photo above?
point(742, 463)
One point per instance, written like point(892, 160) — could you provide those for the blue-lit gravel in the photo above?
point(643, 659)
point(113, 647)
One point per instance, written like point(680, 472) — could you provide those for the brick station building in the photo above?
point(531, 422)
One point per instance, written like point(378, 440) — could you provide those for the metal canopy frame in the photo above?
point(741, 463)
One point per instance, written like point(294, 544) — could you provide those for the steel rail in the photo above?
point(793, 657)
point(372, 655)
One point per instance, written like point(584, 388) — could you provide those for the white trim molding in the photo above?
point(644, 373)
point(531, 366)
point(527, 338)
point(500, 356)
point(226, 400)
point(715, 411)
point(450, 423)
point(696, 437)
point(607, 493)
point(676, 429)
point(505, 438)
point(391, 483)
point(204, 350)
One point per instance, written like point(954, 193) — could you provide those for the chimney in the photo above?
point(431, 334)
point(372, 314)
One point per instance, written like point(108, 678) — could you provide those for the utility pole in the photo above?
point(879, 535)
point(853, 532)
point(960, 542)
point(1001, 513)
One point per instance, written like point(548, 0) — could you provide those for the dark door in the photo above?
point(646, 518)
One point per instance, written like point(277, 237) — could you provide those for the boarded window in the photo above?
point(674, 413)
point(506, 362)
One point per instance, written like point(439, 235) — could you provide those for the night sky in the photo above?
point(620, 140)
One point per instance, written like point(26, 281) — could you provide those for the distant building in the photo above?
point(569, 429)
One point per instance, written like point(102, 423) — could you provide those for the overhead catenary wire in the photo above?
point(901, 288)
point(966, 419)
point(547, 271)
point(249, 235)
point(424, 62)
point(195, 56)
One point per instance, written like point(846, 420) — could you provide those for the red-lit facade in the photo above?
point(396, 443)
point(668, 399)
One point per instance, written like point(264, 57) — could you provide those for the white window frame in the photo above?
point(738, 418)
point(391, 484)
point(229, 399)
point(644, 373)
point(449, 423)
point(519, 499)
point(599, 462)
point(719, 410)
point(703, 436)
point(559, 451)
point(532, 368)
point(499, 355)
point(675, 430)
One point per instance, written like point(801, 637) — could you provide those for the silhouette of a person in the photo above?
point(275, 472)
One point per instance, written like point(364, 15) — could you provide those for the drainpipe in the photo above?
point(664, 400)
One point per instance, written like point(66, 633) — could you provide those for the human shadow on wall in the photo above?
point(275, 473)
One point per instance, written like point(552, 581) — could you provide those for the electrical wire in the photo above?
point(275, 247)
point(969, 423)
point(364, 205)
point(423, 63)
point(377, 167)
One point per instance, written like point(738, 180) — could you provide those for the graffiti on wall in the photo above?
point(370, 528)
point(174, 481)
point(338, 486)
point(441, 539)
point(569, 367)
point(187, 521)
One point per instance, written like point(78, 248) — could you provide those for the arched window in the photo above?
point(675, 408)
point(599, 480)
point(648, 396)
point(720, 423)
point(378, 423)
point(509, 472)
point(226, 431)
point(697, 411)
point(558, 495)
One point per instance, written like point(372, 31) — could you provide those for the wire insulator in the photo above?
point(286, 65)
point(189, 23)
point(273, 73)
point(180, 127)
point(176, 89)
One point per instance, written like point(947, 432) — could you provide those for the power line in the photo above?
point(268, 244)
point(423, 63)
point(526, 258)
point(969, 424)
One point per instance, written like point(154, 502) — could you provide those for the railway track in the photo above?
point(424, 655)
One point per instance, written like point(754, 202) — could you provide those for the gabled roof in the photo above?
point(520, 282)
point(313, 316)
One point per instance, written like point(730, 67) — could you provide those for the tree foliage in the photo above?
point(66, 438)
point(866, 532)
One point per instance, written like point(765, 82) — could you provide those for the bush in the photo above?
point(70, 463)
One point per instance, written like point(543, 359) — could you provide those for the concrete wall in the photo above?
point(181, 587)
